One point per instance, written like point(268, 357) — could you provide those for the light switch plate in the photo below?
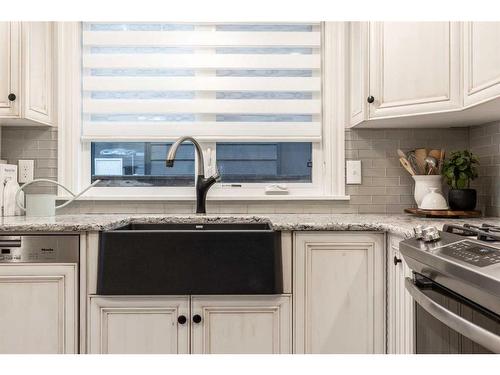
point(26, 170)
point(353, 172)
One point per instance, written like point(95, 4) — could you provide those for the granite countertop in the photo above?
point(397, 224)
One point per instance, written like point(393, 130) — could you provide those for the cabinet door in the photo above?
point(481, 61)
point(38, 308)
point(241, 325)
point(414, 68)
point(10, 60)
point(38, 56)
point(392, 284)
point(138, 325)
point(358, 71)
point(400, 306)
point(339, 300)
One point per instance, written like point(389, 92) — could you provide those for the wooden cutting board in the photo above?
point(450, 214)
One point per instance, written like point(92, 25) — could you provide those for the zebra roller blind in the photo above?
point(216, 82)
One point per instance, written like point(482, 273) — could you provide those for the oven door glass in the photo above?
point(447, 323)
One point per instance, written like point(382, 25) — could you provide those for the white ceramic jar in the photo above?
point(434, 201)
point(423, 183)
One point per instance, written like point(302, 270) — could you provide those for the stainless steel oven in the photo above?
point(446, 322)
point(456, 289)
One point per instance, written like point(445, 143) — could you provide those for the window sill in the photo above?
point(189, 198)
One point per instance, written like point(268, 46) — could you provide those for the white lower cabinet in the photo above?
point(400, 317)
point(241, 325)
point(228, 324)
point(138, 325)
point(38, 309)
point(339, 294)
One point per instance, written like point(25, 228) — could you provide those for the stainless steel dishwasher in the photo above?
point(39, 293)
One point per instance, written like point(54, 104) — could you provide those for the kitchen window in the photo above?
point(250, 93)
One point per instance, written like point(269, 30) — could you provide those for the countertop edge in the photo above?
point(401, 225)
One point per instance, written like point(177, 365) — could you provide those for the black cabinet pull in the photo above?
point(12, 97)
point(196, 318)
point(396, 260)
point(370, 99)
point(181, 319)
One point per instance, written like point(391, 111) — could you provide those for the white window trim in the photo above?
point(328, 157)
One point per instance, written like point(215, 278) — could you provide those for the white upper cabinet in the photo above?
point(10, 55)
point(481, 43)
point(27, 73)
point(414, 68)
point(423, 74)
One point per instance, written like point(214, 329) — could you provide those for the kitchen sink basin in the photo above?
point(190, 258)
point(196, 227)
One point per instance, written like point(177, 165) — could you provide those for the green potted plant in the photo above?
point(459, 170)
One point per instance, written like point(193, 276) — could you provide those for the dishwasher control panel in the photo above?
point(39, 248)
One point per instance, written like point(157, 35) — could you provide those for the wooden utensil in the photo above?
point(420, 155)
point(435, 154)
point(406, 165)
point(441, 161)
point(401, 153)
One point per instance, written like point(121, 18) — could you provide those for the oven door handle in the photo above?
point(470, 330)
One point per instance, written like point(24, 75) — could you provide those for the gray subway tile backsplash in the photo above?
point(386, 187)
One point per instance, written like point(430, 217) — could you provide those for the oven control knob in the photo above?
point(430, 234)
point(418, 232)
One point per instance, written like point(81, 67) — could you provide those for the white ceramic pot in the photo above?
point(434, 201)
point(423, 183)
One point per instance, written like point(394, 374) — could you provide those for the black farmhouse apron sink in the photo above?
point(194, 258)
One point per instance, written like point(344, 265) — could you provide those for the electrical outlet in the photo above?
point(353, 172)
point(26, 170)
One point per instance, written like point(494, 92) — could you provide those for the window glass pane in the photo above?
point(141, 164)
point(265, 162)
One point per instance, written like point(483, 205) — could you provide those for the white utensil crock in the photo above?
point(422, 185)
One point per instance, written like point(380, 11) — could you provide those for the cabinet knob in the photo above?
point(370, 99)
point(196, 318)
point(181, 319)
point(396, 260)
point(12, 97)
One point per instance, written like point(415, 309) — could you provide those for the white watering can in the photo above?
point(45, 204)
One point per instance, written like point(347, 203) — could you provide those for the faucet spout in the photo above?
point(199, 153)
point(202, 184)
